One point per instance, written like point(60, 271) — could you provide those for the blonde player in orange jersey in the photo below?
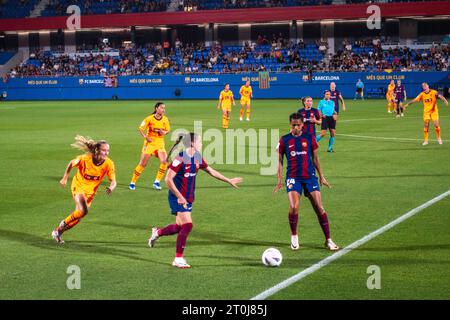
point(390, 97)
point(246, 96)
point(226, 98)
point(430, 111)
point(92, 168)
point(152, 129)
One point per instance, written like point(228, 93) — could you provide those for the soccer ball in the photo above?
point(272, 257)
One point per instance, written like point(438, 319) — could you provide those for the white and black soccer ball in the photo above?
point(272, 257)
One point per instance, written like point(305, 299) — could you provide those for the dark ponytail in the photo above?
point(157, 105)
point(187, 139)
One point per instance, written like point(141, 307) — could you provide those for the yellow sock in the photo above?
point(161, 171)
point(438, 132)
point(137, 172)
point(425, 134)
point(241, 112)
point(389, 107)
point(224, 122)
point(248, 113)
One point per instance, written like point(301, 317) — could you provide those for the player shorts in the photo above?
point(433, 116)
point(328, 123)
point(400, 100)
point(88, 194)
point(175, 207)
point(359, 90)
point(302, 186)
point(226, 108)
point(152, 149)
point(245, 101)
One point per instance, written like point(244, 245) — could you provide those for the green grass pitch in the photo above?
point(374, 181)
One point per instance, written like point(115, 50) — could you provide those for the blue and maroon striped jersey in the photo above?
point(186, 169)
point(399, 92)
point(308, 126)
point(335, 98)
point(299, 155)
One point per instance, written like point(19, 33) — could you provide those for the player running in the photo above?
point(300, 150)
point(359, 89)
point(430, 111)
point(311, 116)
point(328, 112)
point(92, 168)
point(152, 129)
point(400, 96)
point(180, 180)
point(246, 96)
point(226, 98)
point(390, 97)
point(336, 96)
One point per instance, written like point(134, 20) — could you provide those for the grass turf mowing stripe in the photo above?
point(284, 284)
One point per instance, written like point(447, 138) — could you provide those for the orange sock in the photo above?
point(71, 221)
point(137, 172)
point(438, 132)
point(161, 171)
point(425, 134)
point(389, 107)
point(224, 122)
point(248, 113)
point(241, 112)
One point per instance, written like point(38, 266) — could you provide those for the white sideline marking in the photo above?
point(284, 284)
point(382, 138)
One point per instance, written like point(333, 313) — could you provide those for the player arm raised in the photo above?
point(279, 173)
point(216, 174)
point(316, 162)
point(443, 99)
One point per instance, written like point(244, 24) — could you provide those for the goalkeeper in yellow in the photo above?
point(430, 111)
point(246, 96)
point(226, 98)
point(153, 129)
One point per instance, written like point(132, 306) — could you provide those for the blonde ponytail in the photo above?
point(87, 144)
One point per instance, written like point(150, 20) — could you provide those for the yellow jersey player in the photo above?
point(226, 98)
point(246, 96)
point(430, 110)
point(92, 168)
point(153, 129)
point(390, 97)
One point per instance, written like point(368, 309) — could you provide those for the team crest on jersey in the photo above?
point(293, 153)
point(304, 144)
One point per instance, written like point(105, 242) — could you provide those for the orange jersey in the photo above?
point(429, 101)
point(151, 125)
point(89, 175)
point(390, 91)
point(246, 92)
point(226, 97)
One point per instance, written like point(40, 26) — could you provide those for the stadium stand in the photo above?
point(281, 56)
point(5, 56)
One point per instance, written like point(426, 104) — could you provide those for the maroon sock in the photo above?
point(182, 237)
point(293, 220)
point(323, 220)
point(169, 230)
